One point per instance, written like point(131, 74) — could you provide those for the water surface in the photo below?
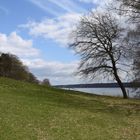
point(106, 91)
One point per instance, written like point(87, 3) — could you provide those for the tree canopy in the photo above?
point(12, 67)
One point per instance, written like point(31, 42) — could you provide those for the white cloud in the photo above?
point(57, 29)
point(99, 2)
point(66, 5)
point(15, 44)
point(101, 5)
point(90, 1)
point(57, 72)
point(44, 6)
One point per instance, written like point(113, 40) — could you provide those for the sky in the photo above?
point(38, 32)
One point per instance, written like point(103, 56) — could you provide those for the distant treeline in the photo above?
point(100, 85)
point(12, 67)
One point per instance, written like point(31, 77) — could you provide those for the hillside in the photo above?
point(33, 112)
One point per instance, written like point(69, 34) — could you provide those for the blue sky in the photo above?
point(37, 31)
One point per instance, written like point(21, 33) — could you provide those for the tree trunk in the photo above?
point(121, 86)
point(118, 78)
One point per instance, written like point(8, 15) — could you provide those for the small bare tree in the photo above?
point(96, 40)
point(46, 82)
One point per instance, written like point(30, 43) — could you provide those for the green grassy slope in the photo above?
point(33, 112)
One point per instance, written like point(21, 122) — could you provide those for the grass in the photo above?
point(33, 112)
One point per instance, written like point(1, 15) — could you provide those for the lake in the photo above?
point(106, 91)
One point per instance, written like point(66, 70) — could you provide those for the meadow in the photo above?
point(35, 112)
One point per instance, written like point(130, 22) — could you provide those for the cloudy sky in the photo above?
point(37, 31)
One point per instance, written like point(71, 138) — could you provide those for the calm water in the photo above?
point(106, 91)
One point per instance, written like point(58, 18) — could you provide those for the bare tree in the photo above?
point(130, 8)
point(96, 40)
